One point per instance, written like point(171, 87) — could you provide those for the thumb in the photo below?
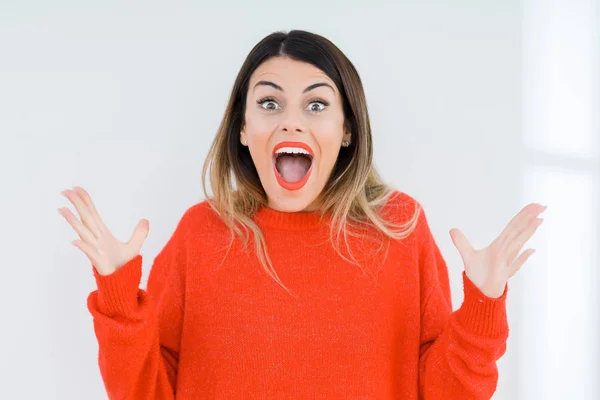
point(461, 243)
point(140, 233)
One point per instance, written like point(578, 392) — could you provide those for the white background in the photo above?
point(477, 108)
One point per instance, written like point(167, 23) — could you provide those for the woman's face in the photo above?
point(295, 102)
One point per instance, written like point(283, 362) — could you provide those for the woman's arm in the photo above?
point(459, 349)
point(139, 331)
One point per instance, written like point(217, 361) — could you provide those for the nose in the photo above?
point(288, 128)
point(292, 124)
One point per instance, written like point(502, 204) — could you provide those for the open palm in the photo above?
point(105, 252)
point(490, 268)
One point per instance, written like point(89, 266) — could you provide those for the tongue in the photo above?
point(292, 168)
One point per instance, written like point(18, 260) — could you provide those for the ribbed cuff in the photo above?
point(482, 315)
point(118, 292)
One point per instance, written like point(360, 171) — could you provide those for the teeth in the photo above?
point(292, 150)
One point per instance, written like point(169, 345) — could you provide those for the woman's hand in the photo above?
point(105, 252)
point(490, 268)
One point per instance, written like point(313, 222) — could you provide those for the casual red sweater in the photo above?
point(213, 325)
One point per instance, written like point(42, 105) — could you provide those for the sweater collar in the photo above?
point(296, 221)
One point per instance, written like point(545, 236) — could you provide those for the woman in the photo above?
point(310, 278)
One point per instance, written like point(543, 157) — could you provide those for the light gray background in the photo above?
point(124, 100)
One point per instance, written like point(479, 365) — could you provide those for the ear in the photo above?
point(243, 137)
point(347, 132)
point(348, 137)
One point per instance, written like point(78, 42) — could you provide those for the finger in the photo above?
point(515, 246)
point(140, 233)
point(87, 199)
point(520, 222)
point(524, 226)
point(84, 233)
point(461, 243)
point(89, 251)
point(520, 261)
point(84, 212)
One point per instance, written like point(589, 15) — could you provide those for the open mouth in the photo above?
point(292, 164)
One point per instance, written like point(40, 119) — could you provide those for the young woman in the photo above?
point(303, 275)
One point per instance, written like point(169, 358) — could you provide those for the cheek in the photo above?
point(259, 132)
point(258, 125)
point(329, 135)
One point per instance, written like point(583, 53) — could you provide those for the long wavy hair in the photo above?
point(354, 192)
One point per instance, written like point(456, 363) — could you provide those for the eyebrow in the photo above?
point(309, 88)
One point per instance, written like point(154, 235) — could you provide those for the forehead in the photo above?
point(288, 72)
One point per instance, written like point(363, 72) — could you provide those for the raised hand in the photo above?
point(490, 268)
point(103, 250)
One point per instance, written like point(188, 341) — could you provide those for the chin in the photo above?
point(295, 202)
point(284, 200)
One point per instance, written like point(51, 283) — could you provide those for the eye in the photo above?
point(317, 106)
point(268, 104)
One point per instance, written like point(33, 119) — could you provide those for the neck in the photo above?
point(297, 220)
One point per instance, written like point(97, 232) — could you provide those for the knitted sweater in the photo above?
point(212, 324)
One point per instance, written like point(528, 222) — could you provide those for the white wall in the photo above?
point(125, 99)
point(559, 327)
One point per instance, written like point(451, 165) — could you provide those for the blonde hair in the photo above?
point(354, 194)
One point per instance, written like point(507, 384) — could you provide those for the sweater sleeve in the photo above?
point(138, 331)
point(458, 350)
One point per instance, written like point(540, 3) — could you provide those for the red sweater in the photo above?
point(212, 324)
